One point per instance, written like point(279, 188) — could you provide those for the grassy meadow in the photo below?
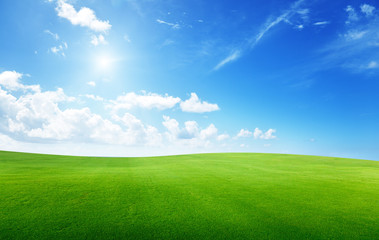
point(200, 196)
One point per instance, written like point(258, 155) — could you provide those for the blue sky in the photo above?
point(151, 77)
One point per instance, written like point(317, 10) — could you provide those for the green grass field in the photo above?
point(204, 196)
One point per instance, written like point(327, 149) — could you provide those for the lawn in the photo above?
point(200, 196)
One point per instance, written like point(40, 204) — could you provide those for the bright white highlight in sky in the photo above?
point(104, 62)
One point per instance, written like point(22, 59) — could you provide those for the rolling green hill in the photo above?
point(201, 196)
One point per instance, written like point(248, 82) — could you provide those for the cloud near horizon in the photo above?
point(31, 114)
point(195, 105)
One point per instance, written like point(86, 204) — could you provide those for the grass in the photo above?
point(202, 196)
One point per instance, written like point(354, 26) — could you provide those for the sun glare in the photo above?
point(104, 63)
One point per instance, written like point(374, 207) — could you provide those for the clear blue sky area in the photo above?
point(152, 77)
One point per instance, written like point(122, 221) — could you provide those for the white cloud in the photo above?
point(232, 57)
point(54, 35)
point(93, 97)
point(11, 81)
point(172, 25)
point(321, 23)
point(38, 115)
point(96, 40)
point(167, 42)
point(137, 132)
point(244, 133)
point(257, 133)
point(222, 137)
point(367, 9)
point(351, 15)
point(59, 50)
point(373, 65)
point(195, 105)
point(148, 101)
point(50, 117)
point(126, 38)
point(346, 51)
point(91, 83)
point(285, 17)
point(209, 132)
point(172, 126)
point(301, 26)
point(85, 17)
point(267, 135)
point(354, 34)
point(190, 135)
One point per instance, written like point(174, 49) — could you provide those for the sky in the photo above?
point(153, 77)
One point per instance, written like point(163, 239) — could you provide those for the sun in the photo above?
point(104, 62)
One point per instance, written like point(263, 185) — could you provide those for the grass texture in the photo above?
point(200, 196)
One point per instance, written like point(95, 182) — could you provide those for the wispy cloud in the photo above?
point(373, 65)
point(358, 46)
point(54, 35)
point(321, 23)
point(172, 25)
point(352, 14)
point(286, 17)
point(232, 57)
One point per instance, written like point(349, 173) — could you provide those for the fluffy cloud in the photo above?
point(91, 83)
point(193, 104)
point(209, 132)
point(96, 40)
point(37, 114)
point(145, 100)
point(267, 135)
point(10, 80)
point(222, 137)
point(258, 134)
point(59, 50)
point(351, 15)
point(190, 134)
point(373, 65)
point(93, 97)
point(85, 17)
point(40, 116)
point(244, 133)
point(367, 9)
